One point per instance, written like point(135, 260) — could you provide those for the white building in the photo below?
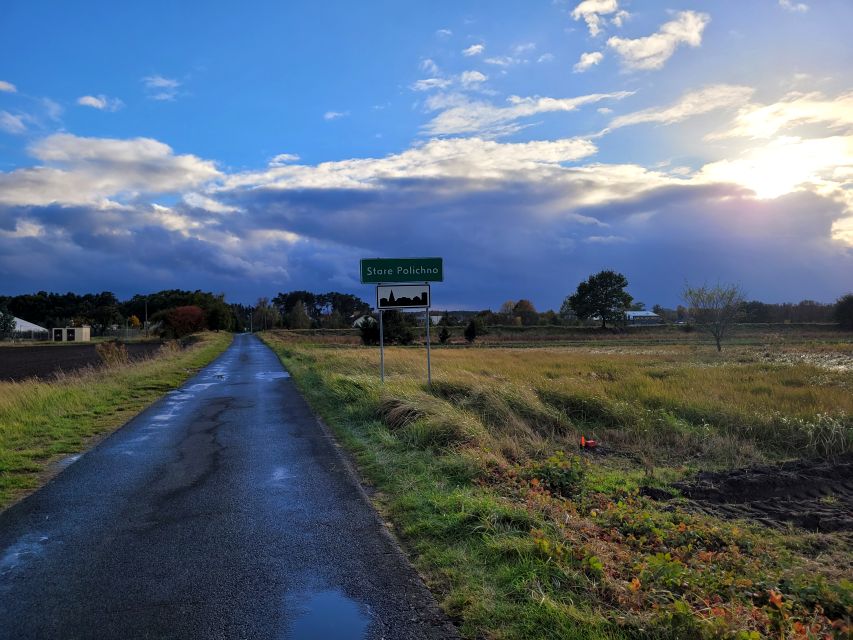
point(642, 317)
point(29, 331)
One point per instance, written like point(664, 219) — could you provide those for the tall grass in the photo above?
point(42, 419)
point(521, 538)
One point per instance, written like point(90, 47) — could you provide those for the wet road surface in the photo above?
point(222, 511)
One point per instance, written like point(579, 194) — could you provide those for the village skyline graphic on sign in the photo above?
point(405, 301)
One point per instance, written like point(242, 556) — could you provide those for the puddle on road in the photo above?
point(279, 475)
point(266, 376)
point(26, 548)
point(328, 615)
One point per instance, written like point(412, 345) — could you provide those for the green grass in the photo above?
point(521, 540)
point(42, 420)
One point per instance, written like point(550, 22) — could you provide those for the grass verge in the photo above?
point(43, 419)
point(519, 539)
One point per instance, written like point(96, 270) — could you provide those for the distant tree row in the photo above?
point(308, 310)
point(104, 310)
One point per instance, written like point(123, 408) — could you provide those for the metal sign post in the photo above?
point(429, 365)
point(402, 283)
point(381, 348)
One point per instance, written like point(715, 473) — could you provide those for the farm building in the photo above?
point(72, 334)
point(642, 317)
point(28, 331)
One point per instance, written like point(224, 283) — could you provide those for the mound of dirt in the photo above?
point(816, 495)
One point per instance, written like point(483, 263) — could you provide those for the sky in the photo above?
point(252, 148)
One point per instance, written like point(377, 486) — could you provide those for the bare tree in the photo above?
point(715, 308)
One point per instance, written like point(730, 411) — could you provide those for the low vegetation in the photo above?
point(41, 420)
point(521, 534)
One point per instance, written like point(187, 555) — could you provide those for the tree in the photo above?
point(714, 309)
point(447, 320)
point(7, 324)
point(398, 327)
point(444, 335)
point(602, 295)
point(264, 315)
point(297, 317)
point(844, 311)
point(134, 322)
point(475, 328)
point(525, 310)
point(181, 321)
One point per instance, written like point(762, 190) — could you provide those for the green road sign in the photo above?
point(380, 270)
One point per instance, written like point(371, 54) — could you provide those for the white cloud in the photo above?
point(282, 159)
point(463, 158)
point(546, 57)
point(160, 88)
point(471, 79)
point(523, 48)
point(334, 115)
point(693, 103)
point(429, 65)
point(460, 116)
point(591, 11)
point(651, 52)
point(796, 7)
point(201, 201)
point(11, 123)
point(498, 211)
point(620, 18)
point(502, 61)
point(80, 170)
point(8, 87)
point(588, 60)
point(101, 102)
point(428, 84)
point(474, 50)
point(795, 109)
point(443, 33)
point(53, 109)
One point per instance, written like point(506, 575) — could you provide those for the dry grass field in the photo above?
point(681, 523)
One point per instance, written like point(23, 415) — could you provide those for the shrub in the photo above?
point(181, 321)
point(369, 330)
point(112, 354)
point(475, 328)
point(561, 474)
point(444, 335)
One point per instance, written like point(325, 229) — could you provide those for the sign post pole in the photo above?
point(429, 365)
point(381, 348)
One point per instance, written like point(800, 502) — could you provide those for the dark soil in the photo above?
point(19, 363)
point(816, 495)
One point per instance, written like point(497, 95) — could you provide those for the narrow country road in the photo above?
point(222, 511)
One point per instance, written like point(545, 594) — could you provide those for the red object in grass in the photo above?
point(588, 444)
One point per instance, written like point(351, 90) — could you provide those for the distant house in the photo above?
point(642, 317)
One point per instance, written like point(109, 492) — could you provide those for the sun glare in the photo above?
point(783, 165)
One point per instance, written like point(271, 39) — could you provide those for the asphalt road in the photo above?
point(224, 510)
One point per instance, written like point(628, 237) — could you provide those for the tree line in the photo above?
point(104, 311)
point(601, 299)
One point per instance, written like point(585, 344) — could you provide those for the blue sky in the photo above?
point(267, 147)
